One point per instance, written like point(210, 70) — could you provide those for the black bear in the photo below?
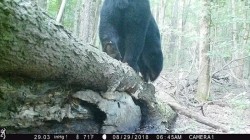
point(125, 27)
point(151, 59)
point(123, 23)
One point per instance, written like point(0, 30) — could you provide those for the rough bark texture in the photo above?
point(88, 22)
point(77, 19)
point(204, 64)
point(49, 82)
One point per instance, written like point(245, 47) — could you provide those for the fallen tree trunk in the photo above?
point(52, 81)
point(198, 117)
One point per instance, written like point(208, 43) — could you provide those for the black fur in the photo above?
point(128, 32)
point(151, 60)
point(124, 23)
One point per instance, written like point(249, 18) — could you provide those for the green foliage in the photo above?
point(69, 12)
point(53, 7)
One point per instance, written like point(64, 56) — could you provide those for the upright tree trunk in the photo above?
point(180, 29)
point(173, 36)
point(246, 35)
point(77, 19)
point(179, 38)
point(61, 10)
point(237, 49)
point(204, 47)
point(98, 4)
point(88, 20)
point(162, 23)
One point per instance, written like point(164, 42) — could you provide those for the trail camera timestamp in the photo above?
point(169, 137)
point(131, 137)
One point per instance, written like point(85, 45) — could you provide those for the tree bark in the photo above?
point(88, 20)
point(30, 44)
point(46, 74)
point(77, 19)
point(246, 35)
point(204, 65)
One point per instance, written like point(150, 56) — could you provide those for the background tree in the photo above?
point(89, 18)
point(61, 10)
point(204, 48)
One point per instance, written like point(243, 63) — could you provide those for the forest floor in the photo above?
point(228, 105)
